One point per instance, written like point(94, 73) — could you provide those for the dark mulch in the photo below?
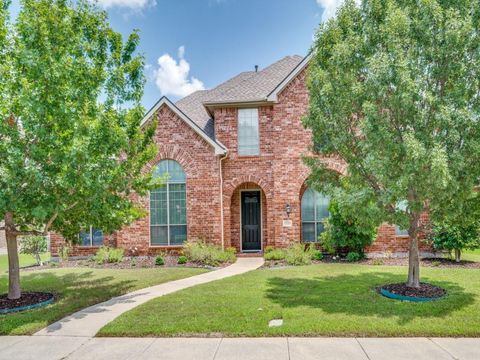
point(424, 291)
point(427, 262)
point(27, 298)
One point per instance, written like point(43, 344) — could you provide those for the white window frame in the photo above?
point(168, 224)
point(240, 152)
point(91, 238)
point(315, 221)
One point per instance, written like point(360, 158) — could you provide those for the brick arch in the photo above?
point(232, 185)
point(176, 153)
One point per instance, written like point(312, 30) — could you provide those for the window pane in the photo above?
point(177, 204)
point(178, 234)
point(320, 229)
point(308, 232)
point(161, 169)
point(308, 205)
point(84, 238)
point(175, 172)
point(97, 237)
point(158, 206)
point(159, 235)
point(248, 136)
point(399, 231)
point(322, 206)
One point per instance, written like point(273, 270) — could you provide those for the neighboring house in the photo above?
point(237, 178)
point(3, 241)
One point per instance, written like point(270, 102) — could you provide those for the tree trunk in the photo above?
point(13, 263)
point(413, 253)
point(458, 252)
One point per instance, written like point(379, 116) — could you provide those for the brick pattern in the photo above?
point(278, 171)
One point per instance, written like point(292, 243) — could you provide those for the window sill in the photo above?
point(89, 246)
point(402, 236)
point(165, 246)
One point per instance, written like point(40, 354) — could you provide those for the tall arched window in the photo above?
point(168, 206)
point(314, 214)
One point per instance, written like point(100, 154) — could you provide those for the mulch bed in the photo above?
point(27, 298)
point(424, 291)
point(127, 263)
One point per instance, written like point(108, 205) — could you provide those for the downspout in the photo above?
point(221, 200)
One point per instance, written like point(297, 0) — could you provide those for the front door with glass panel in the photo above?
point(251, 221)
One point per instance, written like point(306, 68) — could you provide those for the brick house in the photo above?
point(236, 177)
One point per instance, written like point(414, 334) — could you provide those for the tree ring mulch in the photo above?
point(28, 300)
point(400, 291)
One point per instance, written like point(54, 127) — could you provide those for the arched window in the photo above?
point(168, 206)
point(314, 214)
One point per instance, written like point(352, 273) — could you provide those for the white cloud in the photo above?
point(330, 7)
point(172, 77)
point(131, 4)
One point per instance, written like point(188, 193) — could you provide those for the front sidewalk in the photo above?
point(68, 347)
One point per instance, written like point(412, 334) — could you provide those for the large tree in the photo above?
point(72, 150)
point(394, 92)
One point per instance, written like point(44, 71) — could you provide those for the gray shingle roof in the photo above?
point(245, 87)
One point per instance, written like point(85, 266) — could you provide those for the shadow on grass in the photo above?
point(357, 295)
point(73, 291)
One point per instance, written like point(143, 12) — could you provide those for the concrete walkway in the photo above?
point(87, 322)
point(51, 348)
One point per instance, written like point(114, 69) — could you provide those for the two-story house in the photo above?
point(236, 176)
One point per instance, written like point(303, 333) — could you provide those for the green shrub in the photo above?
point(268, 249)
point(64, 252)
point(159, 260)
point(207, 254)
point(182, 260)
point(316, 255)
point(107, 254)
point(354, 256)
point(274, 254)
point(344, 232)
point(297, 255)
point(377, 261)
point(34, 245)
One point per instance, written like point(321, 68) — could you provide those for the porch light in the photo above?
point(288, 209)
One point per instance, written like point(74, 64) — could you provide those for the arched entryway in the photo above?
point(248, 218)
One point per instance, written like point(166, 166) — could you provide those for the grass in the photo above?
point(78, 288)
point(471, 255)
point(323, 299)
point(25, 260)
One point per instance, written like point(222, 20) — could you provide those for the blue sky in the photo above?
point(195, 44)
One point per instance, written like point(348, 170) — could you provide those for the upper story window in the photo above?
point(314, 213)
point(168, 206)
point(248, 136)
point(91, 237)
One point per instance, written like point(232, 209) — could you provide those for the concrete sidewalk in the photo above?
point(51, 348)
point(87, 322)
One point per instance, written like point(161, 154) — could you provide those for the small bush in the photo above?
point(436, 263)
point(268, 249)
point(207, 254)
point(316, 255)
point(377, 261)
point(34, 245)
point(182, 260)
point(275, 254)
point(159, 261)
point(64, 252)
point(107, 254)
point(354, 256)
point(297, 255)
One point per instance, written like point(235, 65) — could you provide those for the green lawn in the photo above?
point(324, 299)
point(471, 255)
point(76, 289)
point(25, 260)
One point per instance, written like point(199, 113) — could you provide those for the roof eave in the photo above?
point(273, 96)
point(220, 149)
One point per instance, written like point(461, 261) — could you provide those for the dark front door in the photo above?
point(251, 221)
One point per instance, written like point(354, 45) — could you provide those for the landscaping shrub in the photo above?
point(354, 256)
point(377, 261)
point(297, 255)
point(316, 254)
point(34, 245)
point(207, 254)
point(274, 254)
point(64, 252)
point(268, 249)
point(159, 260)
point(343, 232)
point(455, 237)
point(182, 260)
point(107, 254)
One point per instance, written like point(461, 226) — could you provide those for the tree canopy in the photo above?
point(395, 92)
